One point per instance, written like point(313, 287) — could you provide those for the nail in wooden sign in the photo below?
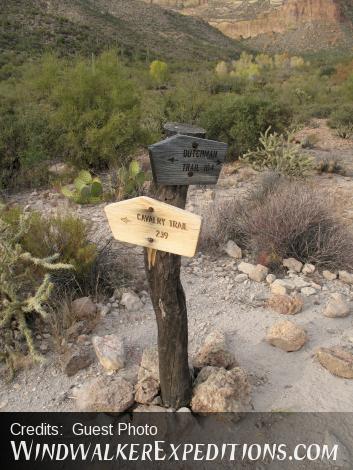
point(185, 160)
point(153, 224)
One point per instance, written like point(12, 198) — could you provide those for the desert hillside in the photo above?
point(85, 26)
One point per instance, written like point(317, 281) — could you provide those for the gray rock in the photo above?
point(346, 277)
point(337, 361)
point(308, 268)
point(149, 364)
point(287, 336)
point(108, 394)
point(257, 273)
point(233, 250)
point(328, 275)
point(77, 359)
point(222, 391)
point(146, 390)
point(131, 302)
point(214, 352)
point(293, 264)
point(337, 306)
point(83, 308)
point(110, 352)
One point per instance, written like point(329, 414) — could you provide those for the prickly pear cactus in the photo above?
point(88, 189)
point(131, 180)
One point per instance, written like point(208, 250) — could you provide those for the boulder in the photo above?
point(214, 352)
point(287, 336)
point(308, 268)
point(286, 304)
point(257, 273)
point(83, 308)
point(222, 391)
point(233, 250)
point(77, 359)
point(110, 352)
point(149, 366)
point(146, 390)
point(346, 277)
point(108, 394)
point(293, 264)
point(337, 306)
point(328, 275)
point(131, 301)
point(337, 361)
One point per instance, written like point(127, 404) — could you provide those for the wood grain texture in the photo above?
point(153, 224)
point(169, 303)
point(185, 160)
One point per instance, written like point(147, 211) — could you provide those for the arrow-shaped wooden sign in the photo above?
point(147, 222)
point(185, 160)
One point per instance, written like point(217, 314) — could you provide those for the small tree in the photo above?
point(221, 69)
point(159, 72)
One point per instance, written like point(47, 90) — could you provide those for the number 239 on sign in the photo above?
point(153, 224)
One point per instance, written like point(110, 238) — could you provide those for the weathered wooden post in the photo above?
point(176, 163)
point(167, 232)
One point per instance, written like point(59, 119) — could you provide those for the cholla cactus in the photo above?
point(21, 293)
point(278, 152)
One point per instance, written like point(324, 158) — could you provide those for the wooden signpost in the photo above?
point(153, 224)
point(167, 232)
point(186, 160)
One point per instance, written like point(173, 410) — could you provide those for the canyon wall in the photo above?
point(291, 14)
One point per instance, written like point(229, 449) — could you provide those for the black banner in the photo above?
point(177, 441)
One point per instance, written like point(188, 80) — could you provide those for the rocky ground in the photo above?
point(282, 333)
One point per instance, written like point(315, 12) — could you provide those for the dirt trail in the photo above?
point(281, 381)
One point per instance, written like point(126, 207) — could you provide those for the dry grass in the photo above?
point(283, 218)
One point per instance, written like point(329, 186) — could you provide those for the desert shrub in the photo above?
point(342, 121)
point(329, 164)
point(186, 102)
point(86, 112)
point(130, 180)
point(342, 116)
point(159, 72)
point(310, 141)
point(68, 236)
point(279, 153)
point(287, 219)
point(240, 120)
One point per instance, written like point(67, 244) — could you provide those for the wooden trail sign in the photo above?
point(153, 224)
point(184, 160)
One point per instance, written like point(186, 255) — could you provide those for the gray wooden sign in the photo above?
point(184, 160)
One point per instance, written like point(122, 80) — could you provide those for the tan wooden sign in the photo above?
point(153, 224)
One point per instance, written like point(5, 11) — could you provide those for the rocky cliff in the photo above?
point(291, 14)
point(311, 24)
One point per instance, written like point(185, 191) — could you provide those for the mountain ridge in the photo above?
point(86, 26)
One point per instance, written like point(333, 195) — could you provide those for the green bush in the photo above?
point(130, 180)
point(240, 120)
point(342, 120)
point(65, 235)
